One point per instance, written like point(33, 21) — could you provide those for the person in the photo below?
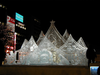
point(91, 55)
point(98, 71)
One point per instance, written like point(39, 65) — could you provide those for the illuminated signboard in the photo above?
point(19, 17)
point(93, 70)
point(11, 23)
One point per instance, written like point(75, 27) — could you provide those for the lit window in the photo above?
point(35, 19)
point(24, 28)
point(3, 6)
point(7, 51)
point(0, 5)
point(2, 23)
point(12, 47)
point(15, 32)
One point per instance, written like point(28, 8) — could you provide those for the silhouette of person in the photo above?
point(91, 54)
point(98, 71)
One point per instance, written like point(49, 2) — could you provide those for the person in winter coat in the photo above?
point(91, 55)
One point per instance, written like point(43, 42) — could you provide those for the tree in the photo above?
point(5, 39)
point(6, 35)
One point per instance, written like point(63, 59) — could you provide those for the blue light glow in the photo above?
point(94, 70)
point(19, 17)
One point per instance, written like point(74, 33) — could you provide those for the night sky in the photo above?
point(81, 20)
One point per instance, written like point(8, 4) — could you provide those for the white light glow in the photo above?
point(7, 50)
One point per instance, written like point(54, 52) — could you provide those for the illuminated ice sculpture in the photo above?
point(50, 49)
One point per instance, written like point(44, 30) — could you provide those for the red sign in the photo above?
point(11, 20)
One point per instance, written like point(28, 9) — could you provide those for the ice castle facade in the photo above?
point(50, 49)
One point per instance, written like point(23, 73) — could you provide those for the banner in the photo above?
point(11, 23)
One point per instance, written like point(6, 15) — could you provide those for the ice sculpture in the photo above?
point(40, 37)
point(50, 49)
point(10, 58)
point(24, 43)
point(66, 35)
point(81, 42)
point(45, 57)
point(30, 46)
point(31, 58)
point(46, 44)
point(74, 52)
point(54, 36)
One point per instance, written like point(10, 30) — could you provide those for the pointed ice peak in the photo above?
point(41, 34)
point(31, 42)
point(66, 35)
point(70, 38)
point(31, 39)
point(24, 43)
point(54, 35)
point(45, 39)
point(81, 42)
point(40, 37)
point(46, 44)
point(30, 46)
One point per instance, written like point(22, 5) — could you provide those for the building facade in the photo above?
point(20, 30)
point(3, 14)
point(33, 27)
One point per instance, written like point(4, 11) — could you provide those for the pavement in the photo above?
point(43, 70)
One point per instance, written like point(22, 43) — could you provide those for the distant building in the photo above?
point(11, 26)
point(37, 28)
point(20, 34)
point(33, 27)
point(20, 30)
point(3, 14)
point(9, 21)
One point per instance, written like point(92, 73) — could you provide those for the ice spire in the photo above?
point(40, 37)
point(81, 42)
point(24, 43)
point(30, 44)
point(66, 35)
point(54, 36)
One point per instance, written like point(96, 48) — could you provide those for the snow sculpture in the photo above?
point(50, 49)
